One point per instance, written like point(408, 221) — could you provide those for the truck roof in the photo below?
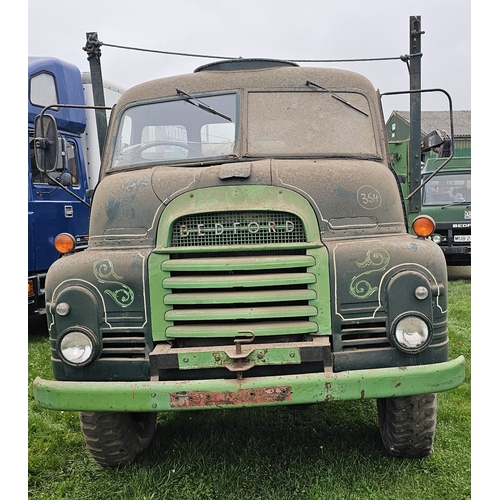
point(248, 74)
point(457, 163)
point(69, 90)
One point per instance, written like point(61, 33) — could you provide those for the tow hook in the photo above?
point(239, 355)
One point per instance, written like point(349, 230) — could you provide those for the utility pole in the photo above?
point(415, 111)
point(93, 49)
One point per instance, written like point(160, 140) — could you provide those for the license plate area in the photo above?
point(257, 396)
point(239, 358)
point(462, 238)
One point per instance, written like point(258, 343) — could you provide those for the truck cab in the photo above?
point(248, 247)
point(447, 199)
point(445, 193)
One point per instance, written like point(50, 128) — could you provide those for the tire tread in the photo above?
point(408, 424)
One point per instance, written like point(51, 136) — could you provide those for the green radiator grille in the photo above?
point(218, 296)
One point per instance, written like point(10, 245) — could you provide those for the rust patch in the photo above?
point(193, 399)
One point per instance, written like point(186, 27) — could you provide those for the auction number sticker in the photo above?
point(369, 198)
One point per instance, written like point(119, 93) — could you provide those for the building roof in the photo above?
point(432, 120)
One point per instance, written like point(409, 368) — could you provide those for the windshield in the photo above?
point(176, 130)
point(278, 124)
point(448, 189)
point(309, 123)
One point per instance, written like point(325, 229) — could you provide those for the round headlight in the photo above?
point(77, 347)
point(411, 334)
point(436, 238)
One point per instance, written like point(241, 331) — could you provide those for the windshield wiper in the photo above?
point(335, 96)
point(455, 203)
point(202, 105)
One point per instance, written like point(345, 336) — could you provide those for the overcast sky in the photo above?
point(283, 29)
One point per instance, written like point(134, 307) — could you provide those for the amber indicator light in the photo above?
point(64, 243)
point(423, 226)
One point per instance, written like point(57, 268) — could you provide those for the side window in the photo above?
point(71, 163)
point(43, 90)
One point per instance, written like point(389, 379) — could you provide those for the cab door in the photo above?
point(51, 209)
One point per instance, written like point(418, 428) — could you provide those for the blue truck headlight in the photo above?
point(77, 346)
point(411, 333)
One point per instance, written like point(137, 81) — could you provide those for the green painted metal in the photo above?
point(236, 248)
point(456, 164)
point(245, 197)
point(232, 297)
point(302, 389)
point(239, 263)
point(241, 312)
point(190, 360)
point(278, 279)
point(228, 330)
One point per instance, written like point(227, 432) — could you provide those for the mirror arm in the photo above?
point(55, 181)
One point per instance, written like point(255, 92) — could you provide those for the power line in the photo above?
point(404, 58)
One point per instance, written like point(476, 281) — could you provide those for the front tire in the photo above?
point(117, 438)
point(408, 424)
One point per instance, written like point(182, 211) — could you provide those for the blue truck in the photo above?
point(54, 208)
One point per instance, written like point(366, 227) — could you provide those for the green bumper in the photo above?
point(290, 389)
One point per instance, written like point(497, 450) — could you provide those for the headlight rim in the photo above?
point(405, 349)
point(89, 334)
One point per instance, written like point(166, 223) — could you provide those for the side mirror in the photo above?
point(46, 143)
point(64, 179)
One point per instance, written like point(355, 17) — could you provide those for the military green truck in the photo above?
point(248, 247)
point(445, 195)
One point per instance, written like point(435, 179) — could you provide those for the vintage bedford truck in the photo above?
point(248, 247)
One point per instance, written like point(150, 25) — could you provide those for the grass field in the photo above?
point(328, 451)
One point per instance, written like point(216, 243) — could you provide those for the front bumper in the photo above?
point(457, 254)
point(160, 396)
